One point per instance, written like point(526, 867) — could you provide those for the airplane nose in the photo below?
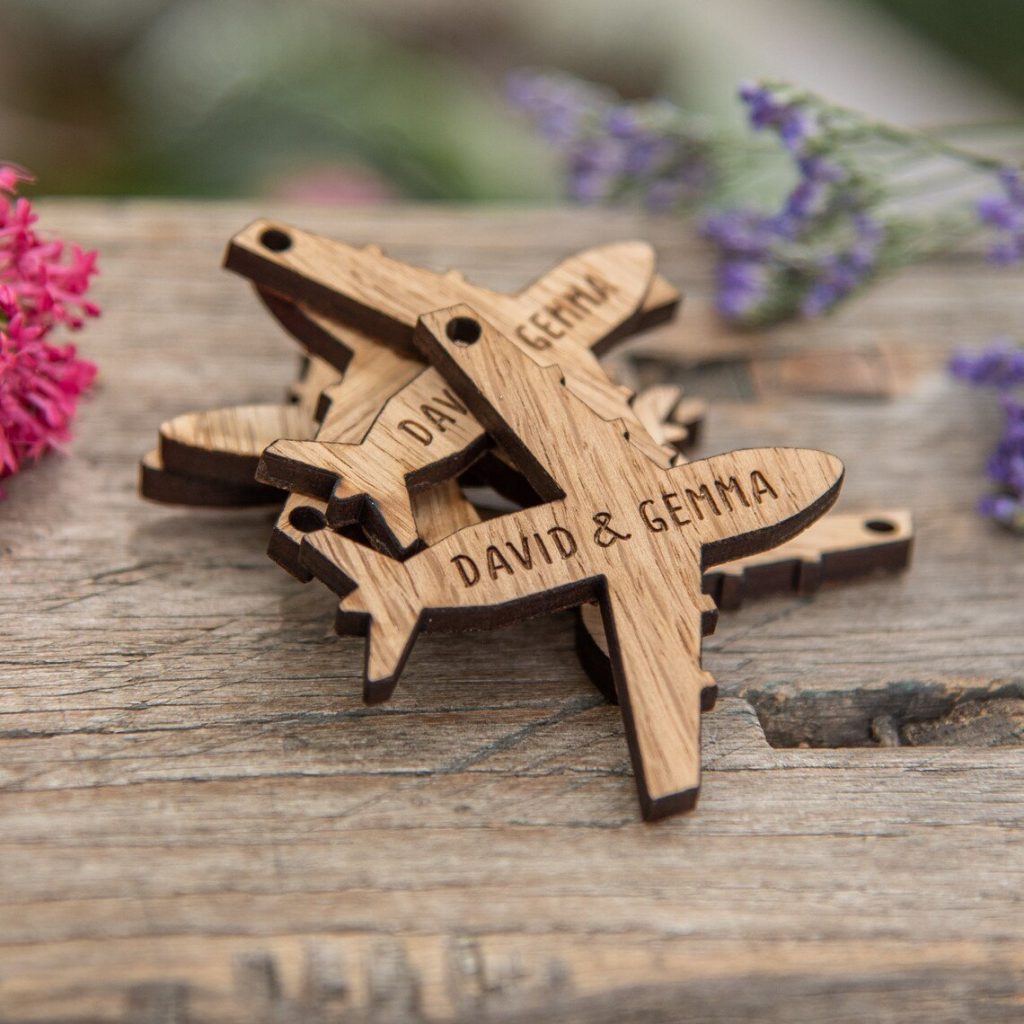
point(832, 467)
point(811, 473)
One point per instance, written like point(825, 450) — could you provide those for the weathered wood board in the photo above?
point(201, 821)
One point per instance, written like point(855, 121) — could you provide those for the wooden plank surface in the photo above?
point(200, 820)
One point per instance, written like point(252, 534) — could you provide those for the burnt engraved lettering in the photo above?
point(732, 485)
point(673, 508)
point(496, 561)
point(760, 486)
point(417, 430)
point(542, 548)
point(467, 569)
point(605, 535)
point(523, 557)
point(558, 312)
point(546, 326)
point(564, 541)
point(538, 343)
point(577, 297)
point(573, 305)
point(653, 523)
point(438, 417)
point(602, 289)
point(703, 493)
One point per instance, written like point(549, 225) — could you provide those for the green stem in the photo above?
point(933, 181)
point(920, 143)
point(860, 126)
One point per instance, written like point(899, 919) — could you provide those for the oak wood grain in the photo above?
point(423, 434)
point(200, 821)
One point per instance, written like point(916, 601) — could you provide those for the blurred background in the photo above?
point(373, 100)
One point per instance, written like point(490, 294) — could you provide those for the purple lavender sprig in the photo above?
point(818, 247)
point(1001, 367)
point(1005, 213)
point(861, 201)
point(838, 227)
point(614, 150)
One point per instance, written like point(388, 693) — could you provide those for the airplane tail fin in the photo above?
point(357, 482)
point(377, 597)
point(615, 278)
point(753, 499)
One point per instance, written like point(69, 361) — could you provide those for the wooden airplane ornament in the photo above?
point(624, 528)
point(442, 509)
point(614, 526)
point(384, 297)
point(424, 434)
point(835, 548)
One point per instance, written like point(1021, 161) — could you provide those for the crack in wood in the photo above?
point(905, 713)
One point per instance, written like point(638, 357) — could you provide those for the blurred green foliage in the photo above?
point(244, 97)
point(233, 97)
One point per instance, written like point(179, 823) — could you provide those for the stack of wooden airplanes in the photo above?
point(420, 390)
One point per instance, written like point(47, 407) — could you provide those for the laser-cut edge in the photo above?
point(379, 584)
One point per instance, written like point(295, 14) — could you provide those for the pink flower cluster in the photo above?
point(42, 285)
